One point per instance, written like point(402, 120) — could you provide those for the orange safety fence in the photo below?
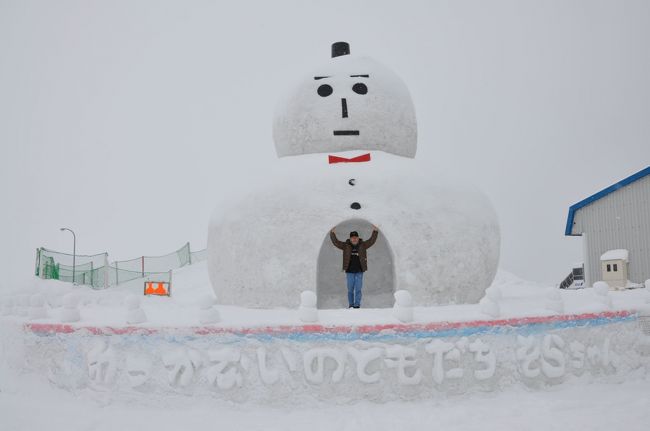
point(160, 288)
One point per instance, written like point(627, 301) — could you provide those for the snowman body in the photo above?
point(438, 238)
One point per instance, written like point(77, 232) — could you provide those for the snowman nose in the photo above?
point(344, 108)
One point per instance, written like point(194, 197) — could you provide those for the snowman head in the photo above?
point(351, 103)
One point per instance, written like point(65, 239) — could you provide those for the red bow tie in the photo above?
point(358, 159)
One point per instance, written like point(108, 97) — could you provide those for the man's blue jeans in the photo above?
point(355, 283)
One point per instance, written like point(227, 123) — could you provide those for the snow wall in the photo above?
point(264, 247)
point(298, 364)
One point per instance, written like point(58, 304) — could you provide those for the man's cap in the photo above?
point(354, 233)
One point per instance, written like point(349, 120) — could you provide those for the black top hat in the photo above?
point(340, 48)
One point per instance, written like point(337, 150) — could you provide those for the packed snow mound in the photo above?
point(363, 100)
point(441, 236)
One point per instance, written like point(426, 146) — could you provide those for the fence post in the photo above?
point(92, 275)
point(170, 283)
point(106, 269)
point(117, 274)
point(38, 262)
point(142, 266)
point(189, 253)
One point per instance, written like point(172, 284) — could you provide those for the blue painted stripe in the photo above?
point(530, 328)
point(380, 336)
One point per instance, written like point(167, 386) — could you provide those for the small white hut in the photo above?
point(613, 265)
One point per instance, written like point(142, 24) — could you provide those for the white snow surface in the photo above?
point(577, 405)
point(580, 406)
point(618, 254)
point(442, 235)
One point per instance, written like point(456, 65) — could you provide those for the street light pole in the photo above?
point(74, 250)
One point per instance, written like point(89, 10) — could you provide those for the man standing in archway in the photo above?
point(355, 262)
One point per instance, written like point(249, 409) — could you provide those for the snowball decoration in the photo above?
point(307, 311)
point(206, 302)
point(208, 314)
point(490, 307)
point(70, 300)
point(308, 314)
point(70, 312)
point(403, 298)
point(54, 295)
point(134, 314)
point(438, 237)
point(68, 315)
point(601, 288)
point(132, 302)
point(601, 291)
point(605, 301)
point(54, 299)
point(403, 310)
point(351, 103)
point(493, 293)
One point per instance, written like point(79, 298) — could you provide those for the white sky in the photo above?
point(125, 119)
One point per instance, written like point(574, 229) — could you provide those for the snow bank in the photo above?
point(270, 356)
point(285, 365)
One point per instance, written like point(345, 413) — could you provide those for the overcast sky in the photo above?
point(124, 120)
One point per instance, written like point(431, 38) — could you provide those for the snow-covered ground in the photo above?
point(26, 403)
point(30, 401)
point(518, 298)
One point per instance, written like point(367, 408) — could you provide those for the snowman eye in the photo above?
point(360, 88)
point(325, 90)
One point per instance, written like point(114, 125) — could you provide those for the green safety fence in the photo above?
point(96, 271)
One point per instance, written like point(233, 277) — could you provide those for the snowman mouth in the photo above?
point(346, 133)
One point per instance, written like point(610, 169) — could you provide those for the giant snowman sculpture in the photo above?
point(347, 138)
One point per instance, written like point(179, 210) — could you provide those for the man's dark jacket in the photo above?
point(347, 249)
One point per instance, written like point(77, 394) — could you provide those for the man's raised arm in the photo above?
point(373, 237)
point(335, 240)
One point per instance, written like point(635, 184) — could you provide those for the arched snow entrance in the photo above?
point(378, 281)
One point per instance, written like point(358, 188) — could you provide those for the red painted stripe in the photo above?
point(60, 328)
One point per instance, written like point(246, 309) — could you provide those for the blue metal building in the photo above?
point(617, 217)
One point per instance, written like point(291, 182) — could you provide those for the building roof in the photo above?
point(618, 254)
point(601, 194)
